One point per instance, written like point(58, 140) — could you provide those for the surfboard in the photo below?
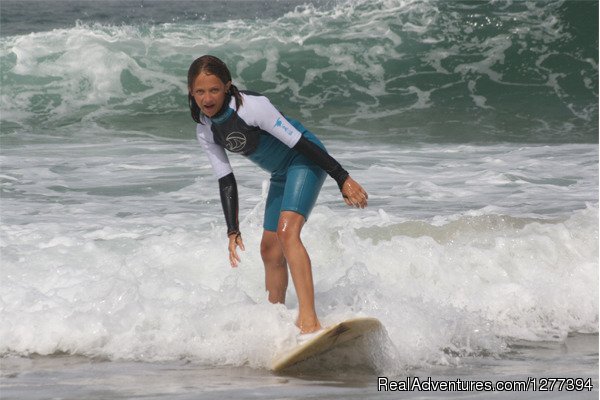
point(325, 340)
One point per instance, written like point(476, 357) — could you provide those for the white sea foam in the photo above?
point(457, 258)
point(166, 293)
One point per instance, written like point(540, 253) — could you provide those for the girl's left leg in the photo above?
point(288, 234)
point(292, 195)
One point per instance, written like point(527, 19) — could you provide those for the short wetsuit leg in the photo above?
point(302, 186)
point(274, 199)
point(295, 189)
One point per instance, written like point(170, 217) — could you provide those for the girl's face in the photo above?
point(209, 92)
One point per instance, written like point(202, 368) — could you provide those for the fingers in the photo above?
point(234, 259)
point(359, 201)
point(235, 241)
point(360, 198)
point(354, 194)
point(348, 201)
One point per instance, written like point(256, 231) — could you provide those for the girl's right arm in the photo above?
point(227, 189)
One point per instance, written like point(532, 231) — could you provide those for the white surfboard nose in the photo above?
point(312, 344)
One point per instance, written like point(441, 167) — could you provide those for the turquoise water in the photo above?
point(395, 71)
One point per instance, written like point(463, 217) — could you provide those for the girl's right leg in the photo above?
point(276, 272)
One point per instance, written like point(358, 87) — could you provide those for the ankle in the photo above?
point(308, 325)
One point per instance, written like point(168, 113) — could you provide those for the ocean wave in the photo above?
point(495, 71)
point(461, 288)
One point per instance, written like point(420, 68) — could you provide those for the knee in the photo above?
point(287, 237)
point(288, 229)
point(269, 249)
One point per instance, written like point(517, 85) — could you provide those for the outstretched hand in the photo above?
point(354, 195)
point(235, 240)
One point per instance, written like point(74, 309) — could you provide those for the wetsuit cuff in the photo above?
point(229, 201)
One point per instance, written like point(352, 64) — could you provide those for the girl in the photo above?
point(247, 123)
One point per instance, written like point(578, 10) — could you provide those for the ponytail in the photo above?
point(233, 90)
point(194, 109)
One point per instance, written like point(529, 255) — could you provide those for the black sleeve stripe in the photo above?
point(229, 201)
point(322, 159)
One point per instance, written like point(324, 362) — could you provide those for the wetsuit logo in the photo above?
point(235, 142)
point(286, 129)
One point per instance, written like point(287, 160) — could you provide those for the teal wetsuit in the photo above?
point(296, 187)
point(296, 159)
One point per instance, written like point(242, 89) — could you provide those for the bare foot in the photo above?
point(308, 325)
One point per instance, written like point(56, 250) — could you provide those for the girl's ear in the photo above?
point(227, 87)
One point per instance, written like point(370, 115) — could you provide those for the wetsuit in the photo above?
point(296, 159)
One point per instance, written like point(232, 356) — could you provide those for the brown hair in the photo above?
point(213, 66)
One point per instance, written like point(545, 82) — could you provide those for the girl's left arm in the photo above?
point(268, 118)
